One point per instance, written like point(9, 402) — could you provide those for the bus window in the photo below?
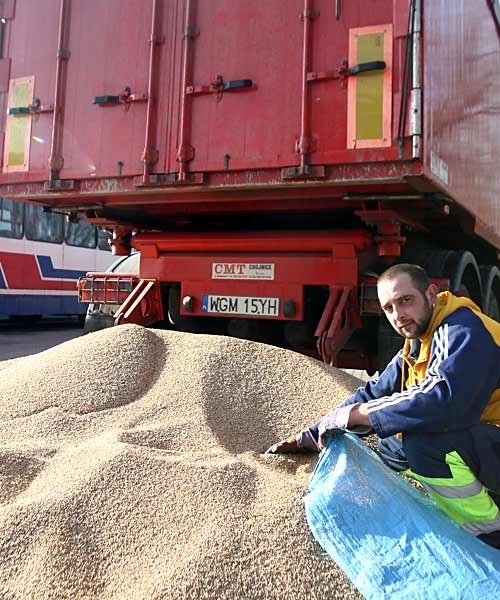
point(103, 238)
point(80, 234)
point(11, 219)
point(43, 226)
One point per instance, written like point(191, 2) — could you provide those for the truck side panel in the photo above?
point(260, 127)
point(462, 106)
point(109, 52)
point(319, 122)
point(32, 46)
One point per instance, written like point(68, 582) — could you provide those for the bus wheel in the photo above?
point(490, 277)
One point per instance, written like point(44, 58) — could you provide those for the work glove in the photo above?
point(304, 441)
point(337, 421)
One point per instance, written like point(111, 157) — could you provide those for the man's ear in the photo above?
point(431, 293)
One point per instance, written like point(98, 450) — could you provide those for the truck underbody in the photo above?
point(265, 176)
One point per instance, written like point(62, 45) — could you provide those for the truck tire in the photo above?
point(465, 280)
point(490, 277)
point(98, 319)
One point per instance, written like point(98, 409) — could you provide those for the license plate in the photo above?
point(241, 305)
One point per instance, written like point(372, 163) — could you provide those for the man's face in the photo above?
point(407, 308)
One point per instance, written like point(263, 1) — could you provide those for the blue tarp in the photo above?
point(390, 539)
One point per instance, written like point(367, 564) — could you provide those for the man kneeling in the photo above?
point(436, 407)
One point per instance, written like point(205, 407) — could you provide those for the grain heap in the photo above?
point(131, 467)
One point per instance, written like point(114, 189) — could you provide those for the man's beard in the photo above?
point(416, 328)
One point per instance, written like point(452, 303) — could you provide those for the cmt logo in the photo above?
point(228, 269)
point(242, 270)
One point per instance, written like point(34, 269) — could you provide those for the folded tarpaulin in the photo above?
point(390, 539)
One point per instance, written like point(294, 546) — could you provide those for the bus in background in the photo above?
point(42, 255)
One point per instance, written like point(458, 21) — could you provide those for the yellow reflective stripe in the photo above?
point(484, 527)
point(456, 491)
point(477, 508)
point(460, 473)
point(474, 509)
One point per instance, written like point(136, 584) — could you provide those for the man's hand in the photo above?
point(358, 417)
point(352, 417)
point(304, 441)
point(336, 420)
point(284, 447)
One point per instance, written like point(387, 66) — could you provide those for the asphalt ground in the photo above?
point(18, 338)
point(22, 338)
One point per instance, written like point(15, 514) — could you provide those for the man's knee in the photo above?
point(391, 452)
point(426, 453)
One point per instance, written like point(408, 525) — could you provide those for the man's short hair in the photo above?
point(418, 276)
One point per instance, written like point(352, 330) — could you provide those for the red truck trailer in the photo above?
point(267, 158)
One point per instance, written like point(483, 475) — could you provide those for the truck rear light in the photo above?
point(105, 288)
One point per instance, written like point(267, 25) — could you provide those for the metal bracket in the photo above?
point(105, 288)
point(373, 217)
point(343, 71)
point(143, 306)
point(305, 145)
point(60, 185)
point(126, 98)
point(305, 172)
point(63, 53)
point(150, 156)
point(388, 222)
point(368, 299)
point(170, 179)
point(219, 86)
point(185, 153)
point(309, 14)
point(339, 319)
point(35, 108)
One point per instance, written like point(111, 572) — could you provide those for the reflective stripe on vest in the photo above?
point(462, 497)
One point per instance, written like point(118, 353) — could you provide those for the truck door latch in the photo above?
point(32, 109)
point(218, 86)
point(343, 70)
point(126, 98)
point(373, 65)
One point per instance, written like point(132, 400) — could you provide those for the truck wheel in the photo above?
point(490, 277)
point(175, 319)
point(463, 272)
point(101, 318)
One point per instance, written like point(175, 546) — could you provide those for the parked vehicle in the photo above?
point(41, 259)
point(267, 159)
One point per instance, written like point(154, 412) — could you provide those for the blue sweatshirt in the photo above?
point(448, 380)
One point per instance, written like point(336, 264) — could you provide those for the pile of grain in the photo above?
point(131, 466)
